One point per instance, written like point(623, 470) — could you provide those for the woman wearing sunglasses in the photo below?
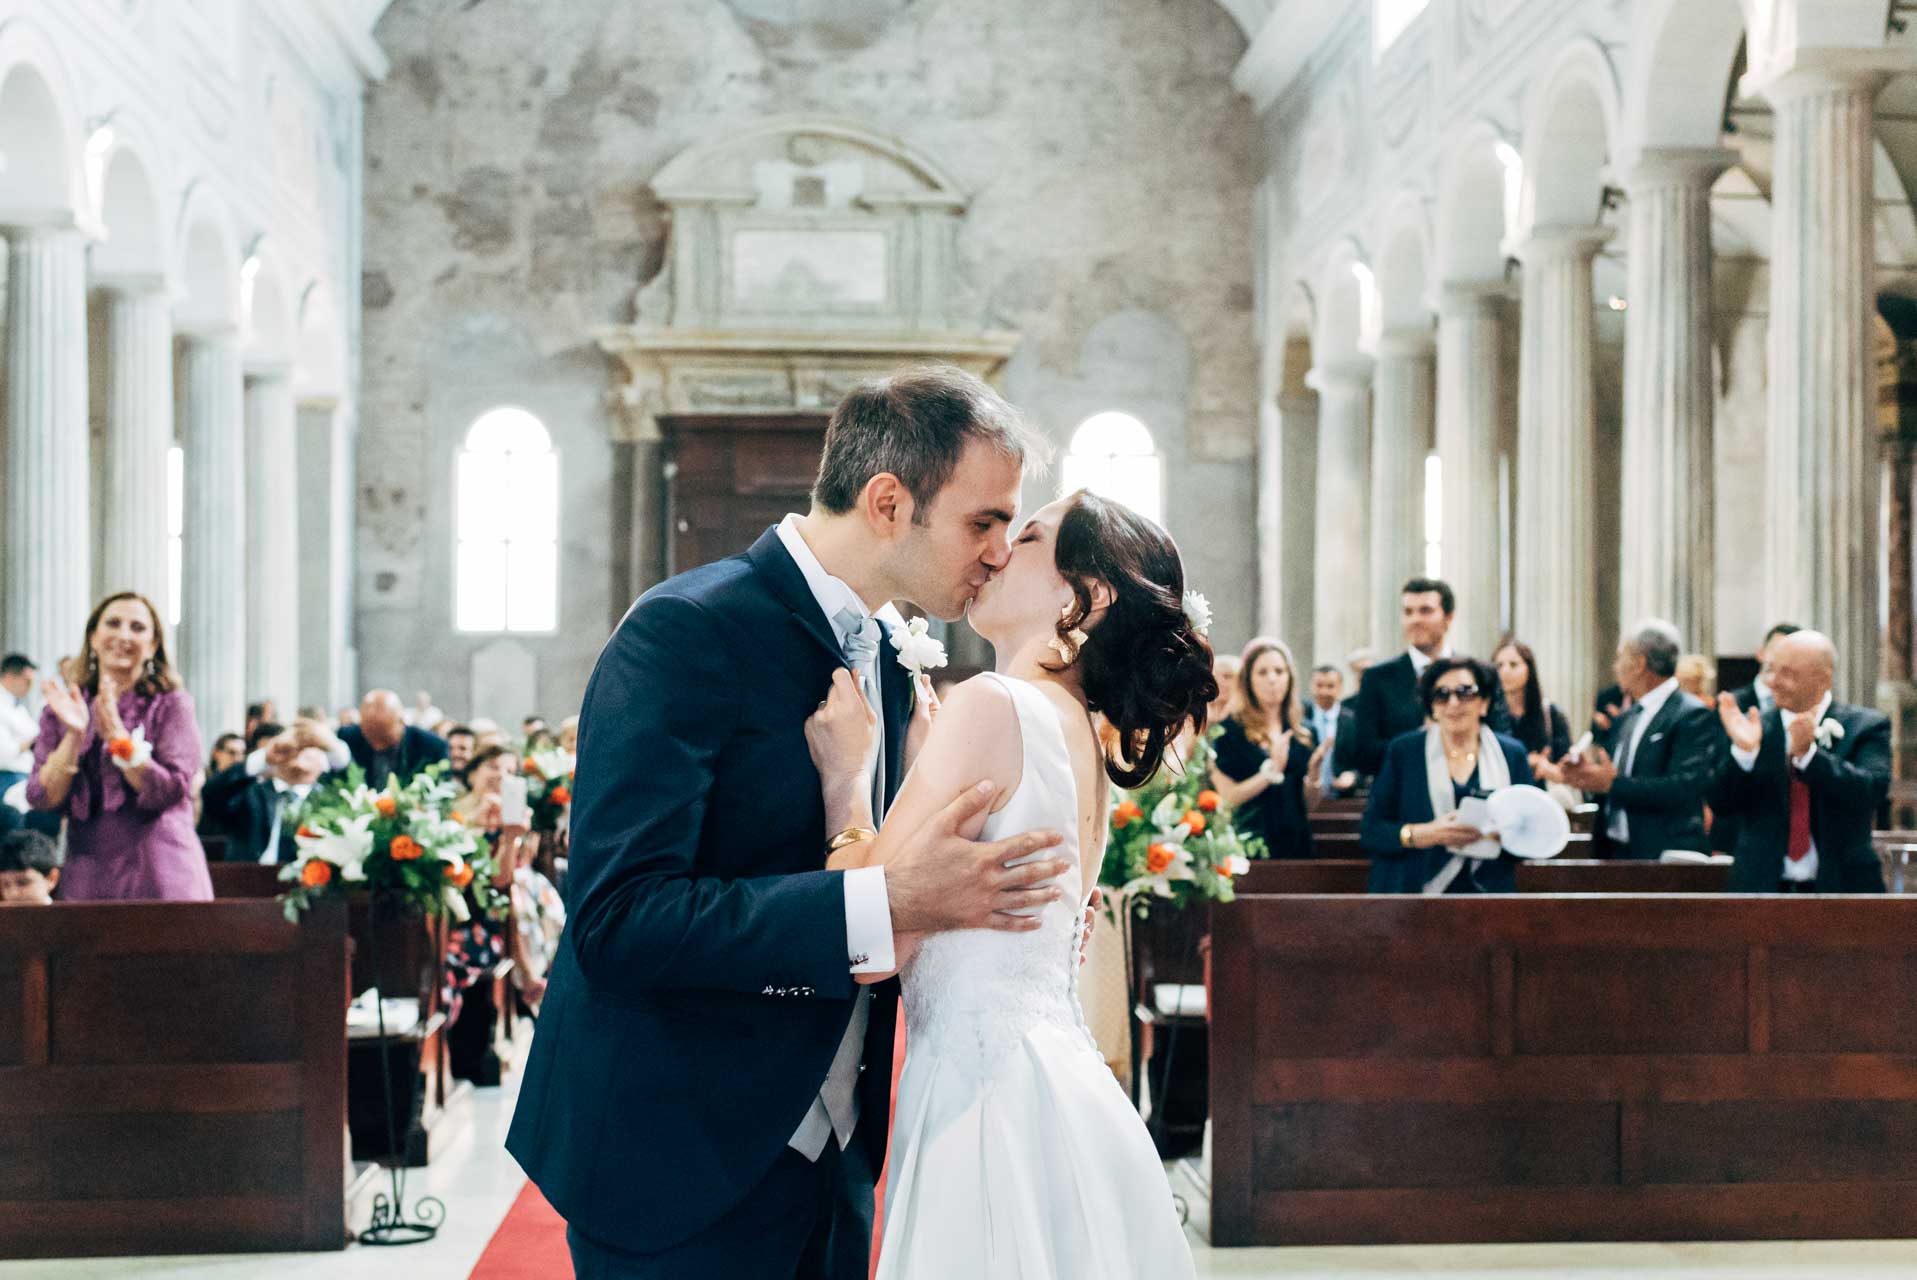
point(1411, 828)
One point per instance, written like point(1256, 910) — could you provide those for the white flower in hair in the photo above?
point(1198, 609)
point(919, 651)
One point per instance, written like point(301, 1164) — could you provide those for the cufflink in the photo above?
point(862, 958)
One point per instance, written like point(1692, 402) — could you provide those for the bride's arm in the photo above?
point(975, 739)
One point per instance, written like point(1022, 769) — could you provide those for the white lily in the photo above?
point(347, 849)
point(142, 750)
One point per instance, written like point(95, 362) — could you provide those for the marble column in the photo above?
point(273, 627)
point(326, 553)
point(1820, 560)
point(1555, 604)
point(47, 566)
point(1668, 556)
point(1471, 401)
point(1341, 613)
point(139, 432)
point(1287, 507)
point(1403, 408)
point(213, 612)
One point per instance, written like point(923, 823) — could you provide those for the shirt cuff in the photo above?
point(1804, 760)
point(868, 921)
point(338, 756)
point(256, 762)
point(1746, 760)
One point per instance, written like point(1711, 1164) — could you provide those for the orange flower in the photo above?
point(530, 768)
point(1126, 814)
point(386, 806)
point(315, 873)
point(121, 748)
point(559, 795)
point(1224, 870)
point(1157, 858)
point(458, 817)
point(308, 832)
point(404, 849)
point(1195, 820)
point(461, 875)
point(1208, 801)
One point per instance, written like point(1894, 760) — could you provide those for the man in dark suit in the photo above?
point(695, 1103)
point(1651, 782)
point(1386, 704)
point(385, 746)
point(255, 804)
point(1755, 696)
point(1804, 779)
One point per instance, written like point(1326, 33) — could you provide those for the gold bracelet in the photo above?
point(1404, 836)
point(851, 835)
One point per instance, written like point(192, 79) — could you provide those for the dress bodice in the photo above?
point(971, 995)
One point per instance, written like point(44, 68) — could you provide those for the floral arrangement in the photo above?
point(402, 841)
point(548, 776)
point(1173, 840)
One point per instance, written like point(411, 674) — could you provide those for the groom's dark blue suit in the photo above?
point(702, 985)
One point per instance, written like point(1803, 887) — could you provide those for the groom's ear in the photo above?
point(886, 503)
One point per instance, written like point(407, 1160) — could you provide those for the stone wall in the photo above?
point(507, 211)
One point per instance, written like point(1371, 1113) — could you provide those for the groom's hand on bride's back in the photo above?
point(941, 879)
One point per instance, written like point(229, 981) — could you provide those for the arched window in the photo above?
point(1112, 455)
point(507, 501)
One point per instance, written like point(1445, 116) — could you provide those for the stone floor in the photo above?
point(478, 1180)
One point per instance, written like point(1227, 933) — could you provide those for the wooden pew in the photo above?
point(172, 1079)
point(1574, 875)
point(1399, 1069)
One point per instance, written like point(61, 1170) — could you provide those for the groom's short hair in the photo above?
point(915, 425)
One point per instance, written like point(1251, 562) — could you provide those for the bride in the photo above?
point(1014, 1152)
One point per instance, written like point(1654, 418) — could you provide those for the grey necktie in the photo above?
point(835, 1112)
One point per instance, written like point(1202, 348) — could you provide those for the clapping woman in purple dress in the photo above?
point(116, 755)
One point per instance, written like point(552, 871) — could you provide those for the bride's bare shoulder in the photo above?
point(975, 736)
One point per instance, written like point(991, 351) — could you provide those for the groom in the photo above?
point(707, 1095)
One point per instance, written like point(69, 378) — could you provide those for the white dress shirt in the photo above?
point(868, 912)
point(1804, 868)
point(1420, 659)
point(1647, 708)
point(19, 724)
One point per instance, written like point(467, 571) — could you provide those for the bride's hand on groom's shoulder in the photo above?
point(840, 735)
point(939, 879)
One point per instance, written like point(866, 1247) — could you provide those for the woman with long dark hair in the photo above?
point(117, 753)
point(1089, 621)
point(1263, 767)
point(1540, 725)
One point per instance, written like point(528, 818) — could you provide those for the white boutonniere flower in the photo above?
point(918, 651)
point(1828, 734)
point(1198, 610)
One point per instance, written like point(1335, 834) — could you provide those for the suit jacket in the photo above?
point(1847, 783)
point(1725, 826)
point(241, 809)
point(1386, 707)
point(417, 749)
point(1663, 798)
point(702, 986)
point(1402, 794)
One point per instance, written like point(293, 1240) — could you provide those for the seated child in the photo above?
point(29, 869)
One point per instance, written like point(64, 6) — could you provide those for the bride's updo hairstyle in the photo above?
point(1143, 667)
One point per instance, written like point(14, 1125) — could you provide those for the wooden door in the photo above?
point(731, 475)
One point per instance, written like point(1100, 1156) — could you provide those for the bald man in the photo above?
point(384, 745)
point(1804, 780)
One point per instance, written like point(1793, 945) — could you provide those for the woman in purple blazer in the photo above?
point(117, 755)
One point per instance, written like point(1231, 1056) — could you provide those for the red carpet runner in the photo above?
point(531, 1241)
point(529, 1245)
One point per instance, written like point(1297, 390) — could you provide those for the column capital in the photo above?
point(1803, 72)
point(1556, 243)
point(268, 370)
point(133, 284)
point(38, 223)
point(1690, 167)
point(1407, 341)
point(209, 335)
point(1344, 373)
point(1454, 296)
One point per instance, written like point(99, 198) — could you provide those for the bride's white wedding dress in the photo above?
point(1014, 1152)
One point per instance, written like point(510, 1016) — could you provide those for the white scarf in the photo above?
point(1494, 774)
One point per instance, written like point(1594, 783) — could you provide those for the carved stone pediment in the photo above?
point(805, 255)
